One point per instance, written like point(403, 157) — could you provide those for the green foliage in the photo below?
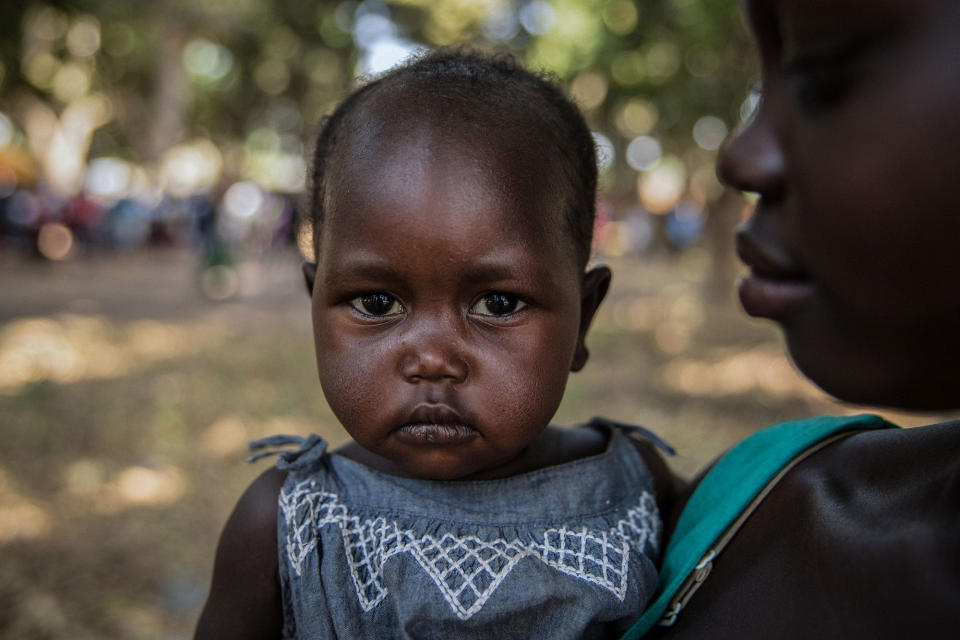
point(223, 69)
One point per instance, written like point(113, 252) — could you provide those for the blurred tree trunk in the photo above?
point(169, 100)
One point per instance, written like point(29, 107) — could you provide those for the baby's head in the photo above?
point(452, 207)
point(854, 154)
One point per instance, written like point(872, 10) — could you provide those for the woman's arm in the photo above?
point(244, 600)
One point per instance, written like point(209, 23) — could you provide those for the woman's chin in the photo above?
point(872, 375)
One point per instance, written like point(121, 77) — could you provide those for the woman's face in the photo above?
point(855, 154)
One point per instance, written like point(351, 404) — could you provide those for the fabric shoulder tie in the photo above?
point(308, 454)
point(634, 431)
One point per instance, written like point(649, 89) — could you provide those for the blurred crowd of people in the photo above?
point(36, 221)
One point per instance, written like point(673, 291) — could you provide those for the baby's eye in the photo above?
point(377, 304)
point(497, 304)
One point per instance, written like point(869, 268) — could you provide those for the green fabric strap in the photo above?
point(728, 489)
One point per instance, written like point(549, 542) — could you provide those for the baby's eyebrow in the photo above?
point(379, 270)
point(364, 268)
point(492, 273)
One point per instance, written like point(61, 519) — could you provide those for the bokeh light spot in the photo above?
point(501, 25)
point(702, 62)
point(108, 177)
point(225, 437)
point(636, 118)
point(272, 76)
point(207, 60)
point(538, 17)
point(83, 38)
point(589, 89)
point(661, 187)
point(628, 68)
point(620, 17)
point(220, 282)
point(662, 60)
point(709, 132)
point(40, 68)
point(643, 153)
point(149, 487)
point(243, 199)
point(55, 241)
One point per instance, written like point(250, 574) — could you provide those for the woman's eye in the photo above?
point(377, 304)
point(498, 304)
point(822, 81)
point(818, 90)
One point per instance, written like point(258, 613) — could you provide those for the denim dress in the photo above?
point(567, 551)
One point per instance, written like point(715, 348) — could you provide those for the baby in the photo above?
point(452, 214)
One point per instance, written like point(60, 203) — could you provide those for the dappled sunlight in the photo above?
point(137, 486)
point(294, 425)
point(88, 483)
point(762, 369)
point(84, 477)
point(146, 458)
point(20, 517)
point(144, 486)
point(23, 520)
point(226, 437)
point(72, 348)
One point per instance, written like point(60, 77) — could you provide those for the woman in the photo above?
point(855, 155)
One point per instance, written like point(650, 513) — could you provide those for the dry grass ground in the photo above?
point(126, 401)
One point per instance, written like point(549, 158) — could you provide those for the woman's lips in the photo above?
point(766, 297)
point(436, 434)
point(776, 284)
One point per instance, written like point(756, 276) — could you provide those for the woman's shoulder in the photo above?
point(859, 539)
point(898, 489)
point(887, 470)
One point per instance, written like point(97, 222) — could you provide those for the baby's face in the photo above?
point(447, 305)
point(854, 152)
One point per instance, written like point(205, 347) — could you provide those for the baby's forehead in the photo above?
point(382, 149)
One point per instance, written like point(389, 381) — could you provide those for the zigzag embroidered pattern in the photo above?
point(466, 570)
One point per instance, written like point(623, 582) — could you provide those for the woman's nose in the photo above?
point(753, 159)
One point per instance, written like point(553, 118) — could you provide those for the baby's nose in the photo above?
point(430, 364)
point(433, 350)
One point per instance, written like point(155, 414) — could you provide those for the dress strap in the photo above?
point(311, 450)
point(634, 431)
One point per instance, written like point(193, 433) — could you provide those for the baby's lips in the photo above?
point(436, 434)
point(434, 413)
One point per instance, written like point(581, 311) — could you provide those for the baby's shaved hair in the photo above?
point(486, 96)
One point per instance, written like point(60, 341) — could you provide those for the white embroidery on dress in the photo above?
point(466, 570)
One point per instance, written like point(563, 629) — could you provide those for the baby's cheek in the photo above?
point(535, 389)
point(352, 386)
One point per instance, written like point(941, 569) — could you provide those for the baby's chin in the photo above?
point(461, 465)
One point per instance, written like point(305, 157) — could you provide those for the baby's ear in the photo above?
point(309, 275)
point(596, 282)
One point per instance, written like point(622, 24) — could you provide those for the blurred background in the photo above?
point(152, 312)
